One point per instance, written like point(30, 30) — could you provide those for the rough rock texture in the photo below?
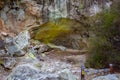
point(17, 15)
point(2, 44)
point(8, 62)
point(66, 75)
point(28, 72)
point(15, 45)
point(107, 77)
point(50, 68)
point(41, 48)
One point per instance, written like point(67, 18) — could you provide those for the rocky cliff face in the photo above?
point(16, 15)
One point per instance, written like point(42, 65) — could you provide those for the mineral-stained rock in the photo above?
point(1, 24)
point(3, 15)
point(34, 9)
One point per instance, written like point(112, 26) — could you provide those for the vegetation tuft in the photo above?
point(105, 41)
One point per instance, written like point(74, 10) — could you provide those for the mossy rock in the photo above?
point(60, 31)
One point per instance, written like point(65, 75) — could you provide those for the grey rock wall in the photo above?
point(19, 14)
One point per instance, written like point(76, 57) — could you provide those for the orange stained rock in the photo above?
point(1, 24)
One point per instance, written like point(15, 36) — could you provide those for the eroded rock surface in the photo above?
point(28, 72)
point(8, 63)
point(17, 15)
point(107, 77)
point(15, 45)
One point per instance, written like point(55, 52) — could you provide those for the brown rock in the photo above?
point(1, 24)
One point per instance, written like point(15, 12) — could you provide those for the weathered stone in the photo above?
point(3, 15)
point(107, 77)
point(4, 34)
point(19, 14)
point(34, 10)
point(24, 73)
point(43, 48)
point(8, 62)
point(95, 9)
point(19, 53)
point(28, 72)
point(2, 44)
point(1, 24)
point(66, 75)
point(92, 73)
point(22, 40)
point(59, 10)
point(3, 53)
point(14, 46)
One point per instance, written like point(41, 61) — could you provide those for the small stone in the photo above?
point(43, 48)
point(20, 53)
point(4, 33)
point(43, 55)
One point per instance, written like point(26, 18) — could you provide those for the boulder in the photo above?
point(22, 40)
point(15, 45)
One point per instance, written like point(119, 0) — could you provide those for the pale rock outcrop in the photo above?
point(29, 72)
point(17, 15)
point(107, 77)
point(15, 45)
